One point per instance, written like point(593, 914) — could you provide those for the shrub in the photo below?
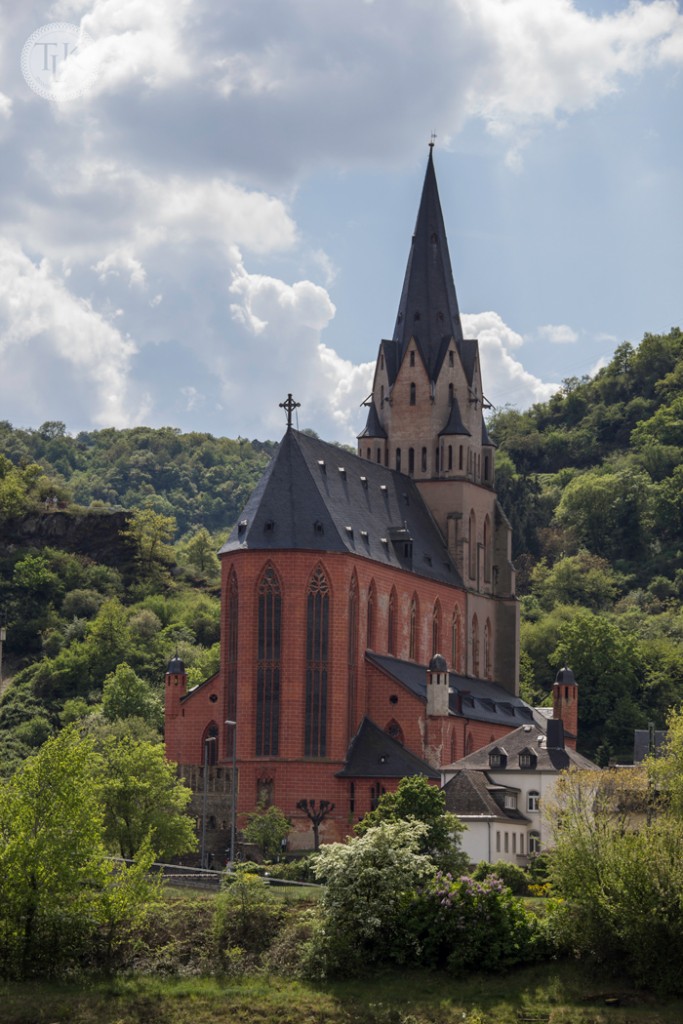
point(515, 878)
point(247, 916)
point(465, 924)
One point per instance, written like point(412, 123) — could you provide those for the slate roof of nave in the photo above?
point(480, 700)
point(526, 737)
point(317, 496)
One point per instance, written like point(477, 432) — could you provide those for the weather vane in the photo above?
point(432, 137)
point(289, 406)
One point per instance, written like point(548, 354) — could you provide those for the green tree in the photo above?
point(125, 695)
point(416, 799)
point(152, 534)
point(144, 800)
point(266, 827)
point(59, 894)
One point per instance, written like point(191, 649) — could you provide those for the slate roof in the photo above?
point(373, 427)
point(469, 794)
point(317, 496)
point(476, 699)
point(428, 309)
point(374, 754)
point(526, 736)
point(455, 424)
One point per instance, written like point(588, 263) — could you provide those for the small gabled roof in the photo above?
point(373, 427)
point(485, 439)
point(454, 424)
point(315, 496)
point(469, 794)
point(373, 754)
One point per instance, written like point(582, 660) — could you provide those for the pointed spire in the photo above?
point(428, 310)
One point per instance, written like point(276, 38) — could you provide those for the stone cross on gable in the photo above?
point(289, 406)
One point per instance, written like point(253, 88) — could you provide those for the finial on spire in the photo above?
point(432, 139)
point(289, 406)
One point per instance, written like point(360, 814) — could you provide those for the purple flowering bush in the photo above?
point(463, 924)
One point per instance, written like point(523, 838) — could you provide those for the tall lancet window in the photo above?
point(488, 654)
point(475, 645)
point(370, 618)
point(456, 642)
point(353, 653)
point(436, 628)
point(317, 657)
point(392, 625)
point(268, 664)
point(231, 635)
point(412, 644)
point(487, 550)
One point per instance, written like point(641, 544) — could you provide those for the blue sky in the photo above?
point(222, 213)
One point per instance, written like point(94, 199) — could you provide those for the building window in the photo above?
point(317, 644)
point(475, 646)
point(488, 660)
point(527, 759)
point(487, 550)
point(436, 460)
point(412, 357)
point(398, 460)
point(514, 842)
point(412, 644)
point(450, 358)
point(455, 641)
point(450, 396)
point(352, 797)
point(394, 730)
point(460, 457)
point(368, 453)
point(507, 842)
point(370, 620)
point(450, 456)
point(232, 633)
point(268, 664)
point(497, 842)
point(210, 745)
point(510, 801)
point(379, 455)
point(521, 843)
point(534, 843)
point(376, 792)
point(533, 800)
point(392, 624)
point(423, 462)
point(486, 468)
point(411, 461)
point(472, 545)
point(353, 653)
point(413, 392)
point(436, 628)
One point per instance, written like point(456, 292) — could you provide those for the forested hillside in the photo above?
point(592, 481)
point(108, 541)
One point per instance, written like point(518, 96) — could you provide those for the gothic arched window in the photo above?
point(412, 643)
point(472, 545)
point(268, 664)
point(436, 628)
point(413, 394)
point(231, 644)
point(488, 656)
point(475, 645)
point(210, 744)
point(392, 624)
point(370, 620)
point(487, 550)
point(353, 650)
point(455, 641)
point(317, 656)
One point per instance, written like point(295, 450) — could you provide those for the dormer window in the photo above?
point(497, 758)
point(527, 759)
point(510, 802)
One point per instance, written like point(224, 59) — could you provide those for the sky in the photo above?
point(205, 206)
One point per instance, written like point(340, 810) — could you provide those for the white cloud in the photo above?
point(558, 334)
point(505, 379)
point(122, 262)
point(38, 317)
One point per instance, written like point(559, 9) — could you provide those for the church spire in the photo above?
point(428, 310)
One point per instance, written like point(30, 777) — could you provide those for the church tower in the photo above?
point(426, 420)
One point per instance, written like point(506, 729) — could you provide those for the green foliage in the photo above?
point(416, 799)
point(371, 883)
point(151, 533)
point(512, 876)
point(620, 877)
point(61, 900)
point(144, 800)
point(465, 924)
point(125, 695)
point(247, 917)
point(266, 827)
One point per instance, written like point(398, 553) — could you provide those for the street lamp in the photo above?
point(233, 786)
point(202, 850)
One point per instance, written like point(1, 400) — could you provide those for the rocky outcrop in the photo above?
point(95, 533)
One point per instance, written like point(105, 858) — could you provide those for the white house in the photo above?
point(498, 791)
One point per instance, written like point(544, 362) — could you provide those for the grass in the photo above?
point(558, 994)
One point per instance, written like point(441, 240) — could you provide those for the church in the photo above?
point(369, 625)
